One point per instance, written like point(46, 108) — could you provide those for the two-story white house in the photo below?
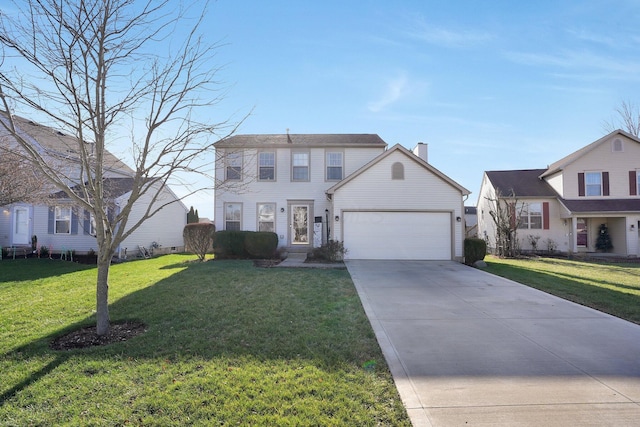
point(568, 202)
point(309, 188)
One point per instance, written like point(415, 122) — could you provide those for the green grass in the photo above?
point(611, 288)
point(227, 344)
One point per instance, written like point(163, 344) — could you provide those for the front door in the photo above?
point(582, 232)
point(300, 224)
point(20, 225)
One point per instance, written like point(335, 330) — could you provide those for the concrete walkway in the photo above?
point(468, 348)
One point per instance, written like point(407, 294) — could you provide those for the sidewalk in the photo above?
point(297, 260)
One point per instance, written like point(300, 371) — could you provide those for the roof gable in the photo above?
point(398, 148)
point(567, 160)
point(301, 140)
point(520, 183)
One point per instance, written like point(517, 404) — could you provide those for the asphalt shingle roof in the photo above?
point(259, 140)
point(521, 183)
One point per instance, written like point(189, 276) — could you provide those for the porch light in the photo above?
point(632, 227)
point(337, 218)
point(282, 210)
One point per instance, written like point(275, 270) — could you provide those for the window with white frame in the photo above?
point(531, 216)
point(267, 166)
point(267, 217)
point(334, 166)
point(62, 220)
point(593, 183)
point(233, 216)
point(233, 166)
point(300, 166)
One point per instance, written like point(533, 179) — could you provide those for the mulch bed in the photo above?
point(87, 336)
point(266, 263)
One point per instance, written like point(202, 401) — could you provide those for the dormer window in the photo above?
point(397, 171)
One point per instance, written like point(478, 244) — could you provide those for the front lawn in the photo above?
point(611, 288)
point(227, 344)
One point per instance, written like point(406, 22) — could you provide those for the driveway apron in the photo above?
point(469, 348)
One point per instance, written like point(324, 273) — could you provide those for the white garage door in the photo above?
point(397, 235)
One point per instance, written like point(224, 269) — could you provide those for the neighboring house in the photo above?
point(309, 188)
point(471, 221)
point(566, 203)
point(58, 224)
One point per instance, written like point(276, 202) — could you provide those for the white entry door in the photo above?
point(20, 225)
point(300, 224)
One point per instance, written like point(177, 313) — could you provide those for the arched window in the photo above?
point(397, 171)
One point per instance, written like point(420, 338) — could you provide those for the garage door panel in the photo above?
point(397, 235)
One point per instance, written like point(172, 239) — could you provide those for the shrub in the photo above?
point(44, 251)
point(474, 250)
point(245, 244)
point(261, 244)
point(332, 251)
point(198, 238)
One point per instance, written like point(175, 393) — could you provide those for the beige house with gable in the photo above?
point(309, 188)
point(570, 200)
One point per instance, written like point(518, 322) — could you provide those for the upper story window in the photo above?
point(267, 217)
point(593, 183)
point(267, 166)
point(300, 166)
point(531, 216)
point(62, 220)
point(397, 171)
point(233, 216)
point(233, 163)
point(617, 145)
point(335, 166)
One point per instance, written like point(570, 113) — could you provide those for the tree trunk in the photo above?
point(102, 295)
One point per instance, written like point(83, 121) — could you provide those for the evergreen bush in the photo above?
point(474, 250)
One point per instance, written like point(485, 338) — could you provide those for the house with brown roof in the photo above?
point(309, 188)
point(567, 205)
point(61, 226)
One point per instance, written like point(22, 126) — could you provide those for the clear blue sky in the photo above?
point(488, 85)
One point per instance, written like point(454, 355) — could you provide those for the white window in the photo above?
point(267, 217)
point(233, 216)
point(593, 183)
point(62, 220)
point(267, 166)
point(334, 166)
point(234, 166)
point(531, 216)
point(300, 167)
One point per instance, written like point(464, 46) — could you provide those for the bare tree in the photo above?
point(198, 238)
point(506, 211)
point(19, 182)
point(628, 119)
point(99, 69)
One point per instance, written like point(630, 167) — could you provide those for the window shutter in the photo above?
point(633, 183)
point(74, 222)
point(545, 215)
point(605, 183)
point(86, 223)
point(581, 184)
point(52, 220)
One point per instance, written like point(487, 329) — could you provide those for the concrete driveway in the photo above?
point(469, 348)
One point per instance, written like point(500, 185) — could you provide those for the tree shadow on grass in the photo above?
point(20, 270)
point(230, 309)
